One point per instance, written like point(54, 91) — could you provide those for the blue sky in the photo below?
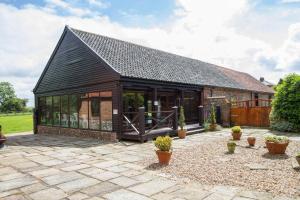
point(143, 13)
point(259, 37)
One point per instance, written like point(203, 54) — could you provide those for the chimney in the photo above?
point(261, 79)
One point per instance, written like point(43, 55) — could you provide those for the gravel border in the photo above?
point(251, 168)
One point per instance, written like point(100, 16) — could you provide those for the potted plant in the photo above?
point(2, 137)
point(231, 146)
point(163, 152)
point(298, 157)
point(213, 122)
point(181, 131)
point(236, 132)
point(251, 140)
point(276, 144)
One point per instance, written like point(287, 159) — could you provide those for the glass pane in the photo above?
point(48, 110)
point(42, 110)
point(94, 113)
point(106, 115)
point(83, 111)
point(73, 111)
point(56, 110)
point(64, 111)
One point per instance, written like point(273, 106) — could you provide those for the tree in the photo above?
point(8, 99)
point(285, 115)
point(6, 92)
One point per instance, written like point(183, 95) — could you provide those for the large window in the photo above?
point(56, 110)
point(83, 111)
point(86, 111)
point(48, 113)
point(64, 111)
point(73, 103)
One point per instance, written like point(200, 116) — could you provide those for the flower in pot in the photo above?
point(236, 132)
point(231, 146)
point(181, 131)
point(298, 157)
point(251, 140)
point(276, 144)
point(2, 137)
point(163, 152)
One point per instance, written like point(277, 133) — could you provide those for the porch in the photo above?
point(148, 125)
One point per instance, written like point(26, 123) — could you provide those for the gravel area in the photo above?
point(209, 163)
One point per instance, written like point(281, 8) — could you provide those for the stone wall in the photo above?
point(101, 135)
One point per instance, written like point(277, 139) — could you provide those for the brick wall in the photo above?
point(101, 135)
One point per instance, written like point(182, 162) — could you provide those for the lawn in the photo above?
point(16, 123)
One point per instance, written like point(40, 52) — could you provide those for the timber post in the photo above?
point(175, 118)
point(141, 121)
point(201, 115)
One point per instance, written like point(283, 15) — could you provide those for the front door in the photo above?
point(191, 102)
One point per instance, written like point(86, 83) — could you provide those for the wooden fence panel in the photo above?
point(250, 115)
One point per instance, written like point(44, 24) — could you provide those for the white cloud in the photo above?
point(98, 3)
point(199, 29)
point(290, 1)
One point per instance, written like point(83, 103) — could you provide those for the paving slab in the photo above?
point(12, 176)
point(104, 176)
point(100, 189)
point(45, 172)
point(78, 184)
point(33, 188)
point(78, 196)
point(152, 187)
point(124, 181)
point(49, 194)
point(62, 177)
point(16, 183)
point(75, 167)
point(125, 195)
point(15, 197)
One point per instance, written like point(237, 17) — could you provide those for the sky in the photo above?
point(259, 37)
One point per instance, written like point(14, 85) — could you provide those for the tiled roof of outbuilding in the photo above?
point(131, 60)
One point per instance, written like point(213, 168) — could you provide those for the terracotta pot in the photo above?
point(236, 135)
point(164, 157)
point(298, 159)
point(212, 127)
point(251, 141)
point(276, 148)
point(231, 148)
point(181, 134)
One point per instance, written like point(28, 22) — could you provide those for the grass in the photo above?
point(16, 123)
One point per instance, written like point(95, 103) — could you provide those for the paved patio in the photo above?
point(57, 167)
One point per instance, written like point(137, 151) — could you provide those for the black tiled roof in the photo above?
point(131, 60)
